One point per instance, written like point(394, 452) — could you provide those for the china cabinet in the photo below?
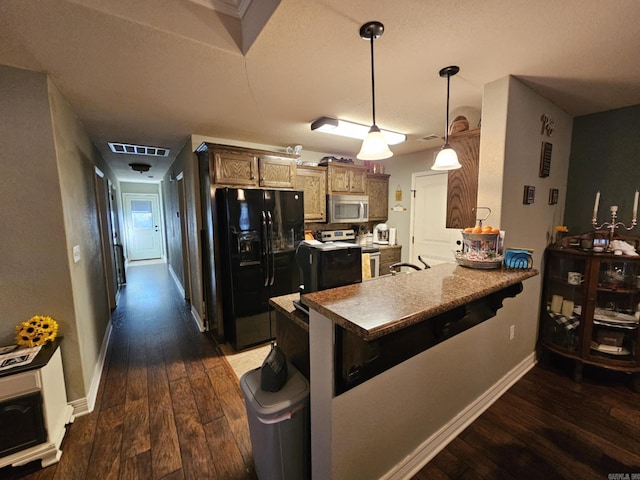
point(378, 192)
point(313, 182)
point(590, 309)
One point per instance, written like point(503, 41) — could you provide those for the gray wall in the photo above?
point(47, 171)
point(605, 155)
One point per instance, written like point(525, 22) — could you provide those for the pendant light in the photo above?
point(447, 158)
point(374, 146)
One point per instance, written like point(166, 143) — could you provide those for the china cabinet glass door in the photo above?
point(562, 324)
point(615, 324)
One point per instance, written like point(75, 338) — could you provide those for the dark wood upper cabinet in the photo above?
point(462, 185)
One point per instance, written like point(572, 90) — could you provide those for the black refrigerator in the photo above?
point(255, 236)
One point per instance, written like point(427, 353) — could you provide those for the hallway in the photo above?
point(169, 405)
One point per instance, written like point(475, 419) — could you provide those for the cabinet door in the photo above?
point(235, 168)
point(564, 305)
point(462, 184)
point(358, 180)
point(22, 423)
point(378, 191)
point(347, 179)
point(614, 334)
point(277, 172)
point(389, 256)
point(313, 182)
point(338, 179)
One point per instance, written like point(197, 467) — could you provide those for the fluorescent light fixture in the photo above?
point(353, 130)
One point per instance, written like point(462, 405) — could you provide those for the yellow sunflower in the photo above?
point(38, 330)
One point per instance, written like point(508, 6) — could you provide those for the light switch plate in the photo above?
point(76, 253)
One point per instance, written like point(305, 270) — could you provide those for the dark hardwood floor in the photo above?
point(170, 407)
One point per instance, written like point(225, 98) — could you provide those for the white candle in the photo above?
point(595, 205)
point(635, 206)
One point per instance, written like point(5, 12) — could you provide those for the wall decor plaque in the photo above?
point(545, 159)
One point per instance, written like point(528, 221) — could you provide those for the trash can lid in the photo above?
point(293, 393)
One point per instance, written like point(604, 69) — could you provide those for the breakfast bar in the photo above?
point(391, 362)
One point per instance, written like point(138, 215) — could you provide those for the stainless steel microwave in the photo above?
point(348, 208)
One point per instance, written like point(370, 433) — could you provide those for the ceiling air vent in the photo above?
point(433, 136)
point(138, 149)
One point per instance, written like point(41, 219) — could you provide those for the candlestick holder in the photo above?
point(613, 224)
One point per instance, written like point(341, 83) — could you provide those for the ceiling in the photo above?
point(262, 71)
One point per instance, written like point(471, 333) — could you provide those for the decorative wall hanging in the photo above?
point(545, 159)
point(529, 194)
point(399, 193)
point(553, 196)
point(548, 125)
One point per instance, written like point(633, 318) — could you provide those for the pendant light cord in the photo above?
point(446, 127)
point(373, 83)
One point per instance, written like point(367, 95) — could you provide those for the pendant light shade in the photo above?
point(447, 158)
point(374, 146)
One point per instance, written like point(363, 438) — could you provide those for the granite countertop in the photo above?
point(284, 304)
point(389, 303)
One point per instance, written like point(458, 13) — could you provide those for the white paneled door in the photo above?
point(431, 239)
point(144, 237)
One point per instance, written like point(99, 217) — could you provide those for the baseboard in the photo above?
point(85, 405)
point(438, 441)
point(176, 280)
point(197, 319)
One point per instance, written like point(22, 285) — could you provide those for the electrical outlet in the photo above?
point(512, 332)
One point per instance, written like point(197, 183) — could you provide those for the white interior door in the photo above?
point(430, 238)
point(144, 238)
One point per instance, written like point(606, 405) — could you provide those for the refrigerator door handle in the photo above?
point(266, 242)
point(273, 260)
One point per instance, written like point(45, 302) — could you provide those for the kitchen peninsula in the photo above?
point(375, 349)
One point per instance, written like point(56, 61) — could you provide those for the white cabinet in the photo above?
point(34, 410)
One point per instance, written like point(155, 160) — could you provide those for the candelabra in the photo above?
point(613, 224)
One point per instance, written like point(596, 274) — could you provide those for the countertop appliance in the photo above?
point(348, 208)
point(381, 234)
point(328, 265)
point(254, 234)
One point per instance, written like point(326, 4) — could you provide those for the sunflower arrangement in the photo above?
point(38, 330)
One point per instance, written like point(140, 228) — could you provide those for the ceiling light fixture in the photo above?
point(447, 158)
point(140, 167)
point(344, 128)
point(374, 146)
